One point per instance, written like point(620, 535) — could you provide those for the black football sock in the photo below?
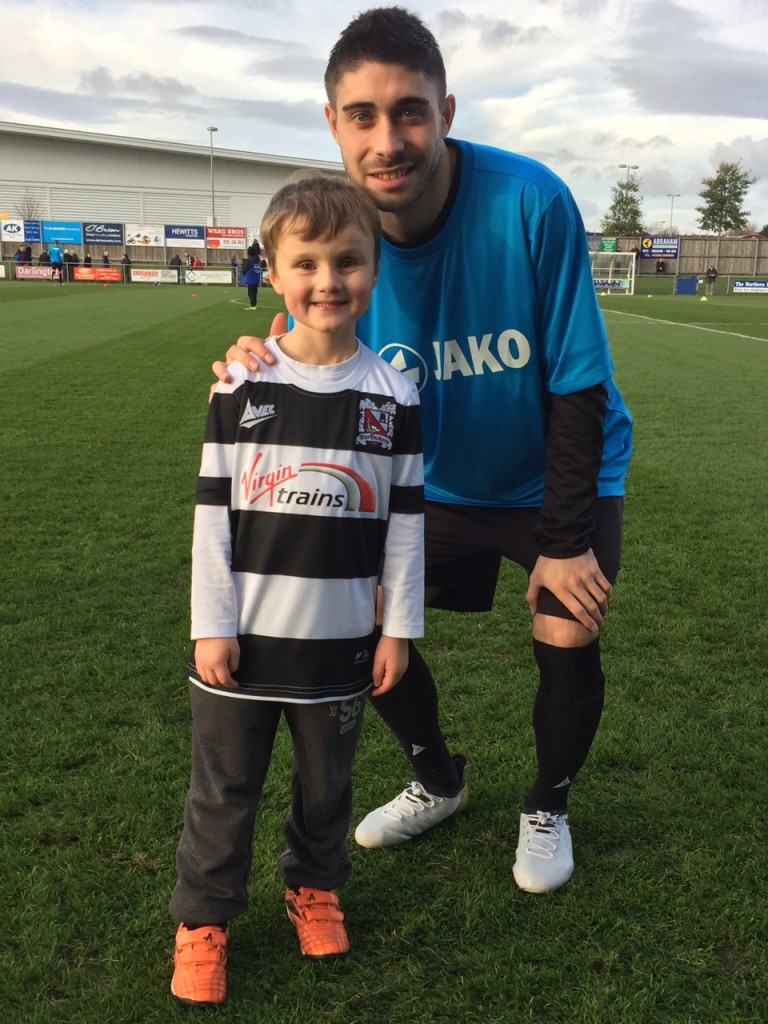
point(566, 715)
point(410, 711)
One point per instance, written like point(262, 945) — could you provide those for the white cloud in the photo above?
point(674, 86)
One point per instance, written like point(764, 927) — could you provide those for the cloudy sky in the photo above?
point(673, 86)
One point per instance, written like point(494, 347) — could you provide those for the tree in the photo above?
point(624, 216)
point(28, 206)
point(723, 196)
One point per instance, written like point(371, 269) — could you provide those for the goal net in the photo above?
point(613, 272)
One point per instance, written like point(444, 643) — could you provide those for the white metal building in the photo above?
point(73, 175)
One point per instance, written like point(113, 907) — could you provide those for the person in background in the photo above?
point(56, 254)
point(175, 262)
point(710, 279)
point(251, 269)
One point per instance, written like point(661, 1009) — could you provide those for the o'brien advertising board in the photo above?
point(96, 233)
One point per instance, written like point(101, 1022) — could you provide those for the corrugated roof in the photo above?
point(70, 135)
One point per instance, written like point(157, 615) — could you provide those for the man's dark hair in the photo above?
point(386, 35)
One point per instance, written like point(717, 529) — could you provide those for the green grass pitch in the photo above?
point(665, 921)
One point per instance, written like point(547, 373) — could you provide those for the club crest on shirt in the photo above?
point(376, 425)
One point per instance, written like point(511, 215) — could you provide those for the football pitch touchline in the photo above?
point(675, 323)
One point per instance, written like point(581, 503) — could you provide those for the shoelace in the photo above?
point(411, 801)
point(542, 834)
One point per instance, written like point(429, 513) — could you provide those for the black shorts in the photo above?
point(464, 546)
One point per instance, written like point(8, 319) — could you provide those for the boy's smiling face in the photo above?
point(326, 282)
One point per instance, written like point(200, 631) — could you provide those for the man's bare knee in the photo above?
point(550, 629)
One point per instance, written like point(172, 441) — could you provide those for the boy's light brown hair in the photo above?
point(320, 206)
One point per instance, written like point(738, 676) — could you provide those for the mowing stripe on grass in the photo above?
point(676, 323)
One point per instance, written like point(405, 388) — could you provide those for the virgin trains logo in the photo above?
point(307, 485)
point(489, 353)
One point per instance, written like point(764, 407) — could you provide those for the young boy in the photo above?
point(310, 493)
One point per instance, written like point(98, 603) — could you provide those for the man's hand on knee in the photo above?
point(578, 583)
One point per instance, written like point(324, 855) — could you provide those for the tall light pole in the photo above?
point(672, 196)
point(210, 131)
point(630, 167)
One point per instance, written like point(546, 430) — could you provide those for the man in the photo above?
point(56, 255)
point(711, 278)
point(526, 438)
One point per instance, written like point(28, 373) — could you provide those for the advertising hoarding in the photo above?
point(187, 236)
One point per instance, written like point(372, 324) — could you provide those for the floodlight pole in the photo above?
point(672, 196)
point(630, 167)
point(210, 131)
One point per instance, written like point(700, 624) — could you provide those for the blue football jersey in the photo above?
point(487, 317)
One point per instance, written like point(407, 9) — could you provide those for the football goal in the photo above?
point(613, 272)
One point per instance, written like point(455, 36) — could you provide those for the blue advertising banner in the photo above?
point(32, 231)
point(65, 231)
point(191, 236)
point(655, 246)
point(102, 234)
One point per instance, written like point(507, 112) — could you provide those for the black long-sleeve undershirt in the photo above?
point(574, 453)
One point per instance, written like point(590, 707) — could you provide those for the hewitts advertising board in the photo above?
point(20, 231)
point(143, 234)
point(67, 232)
point(96, 233)
point(660, 246)
point(208, 277)
point(225, 238)
point(188, 236)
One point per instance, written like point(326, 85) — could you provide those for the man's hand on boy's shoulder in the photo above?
point(248, 346)
point(389, 663)
point(216, 658)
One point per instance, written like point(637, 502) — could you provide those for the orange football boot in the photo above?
point(318, 921)
point(200, 965)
